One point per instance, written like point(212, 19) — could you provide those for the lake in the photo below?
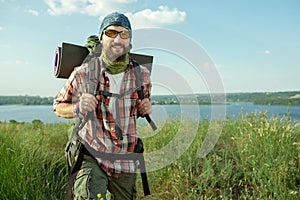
point(160, 112)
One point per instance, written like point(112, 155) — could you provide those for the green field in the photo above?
point(254, 158)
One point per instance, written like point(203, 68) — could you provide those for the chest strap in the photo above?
point(110, 94)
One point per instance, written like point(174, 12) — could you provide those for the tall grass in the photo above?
point(255, 158)
point(32, 161)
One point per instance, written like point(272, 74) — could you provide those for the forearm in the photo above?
point(64, 110)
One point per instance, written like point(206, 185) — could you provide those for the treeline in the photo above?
point(263, 98)
point(25, 100)
point(191, 99)
point(266, 98)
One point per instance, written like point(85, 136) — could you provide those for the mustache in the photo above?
point(118, 44)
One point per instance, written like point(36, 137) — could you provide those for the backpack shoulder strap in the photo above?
point(139, 79)
point(93, 75)
point(140, 89)
point(93, 72)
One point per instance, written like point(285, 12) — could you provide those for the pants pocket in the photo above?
point(82, 184)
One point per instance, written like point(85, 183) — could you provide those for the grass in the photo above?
point(32, 161)
point(255, 158)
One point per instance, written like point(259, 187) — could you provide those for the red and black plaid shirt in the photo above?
point(101, 134)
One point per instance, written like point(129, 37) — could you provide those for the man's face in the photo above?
point(114, 45)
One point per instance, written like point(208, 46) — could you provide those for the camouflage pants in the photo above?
point(92, 182)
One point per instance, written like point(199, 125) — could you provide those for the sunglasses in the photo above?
point(113, 33)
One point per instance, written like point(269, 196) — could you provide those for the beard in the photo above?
point(116, 52)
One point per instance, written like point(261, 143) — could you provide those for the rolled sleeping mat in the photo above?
point(70, 55)
point(67, 57)
point(145, 60)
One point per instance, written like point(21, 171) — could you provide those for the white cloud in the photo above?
point(33, 12)
point(87, 7)
point(124, 1)
point(96, 8)
point(149, 18)
point(1, 28)
point(141, 19)
point(65, 7)
point(267, 52)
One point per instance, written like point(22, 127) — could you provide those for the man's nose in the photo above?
point(118, 38)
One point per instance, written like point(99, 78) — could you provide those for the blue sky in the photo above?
point(254, 45)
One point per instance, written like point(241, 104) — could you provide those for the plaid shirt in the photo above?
point(101, 134)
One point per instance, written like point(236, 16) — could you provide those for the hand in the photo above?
point(144, 107)
point(87, 103)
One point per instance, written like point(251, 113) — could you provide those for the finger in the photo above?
point(139, 101)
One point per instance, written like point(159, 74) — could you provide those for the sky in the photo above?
point(198, 46)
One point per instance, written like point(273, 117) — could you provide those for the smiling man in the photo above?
point(110, 114)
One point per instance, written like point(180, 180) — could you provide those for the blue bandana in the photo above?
point(116, 19)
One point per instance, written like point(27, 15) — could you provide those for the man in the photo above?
point(111, 125)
